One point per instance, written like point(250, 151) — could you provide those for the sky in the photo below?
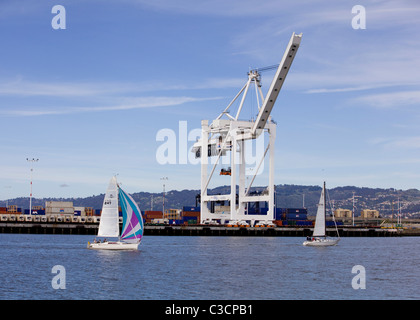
point(93, 100)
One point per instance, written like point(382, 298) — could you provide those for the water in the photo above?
point(222, 268)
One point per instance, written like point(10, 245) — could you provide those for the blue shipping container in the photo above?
point(188, 218)
point(191, 209)
point(295, 210)
point(296, 216)
point(175, 222)
point(291, 213)
point(35, 212)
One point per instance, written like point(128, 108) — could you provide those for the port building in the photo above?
point(367, 213)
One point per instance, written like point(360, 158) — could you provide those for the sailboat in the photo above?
point(319, 237)
point(132, 229)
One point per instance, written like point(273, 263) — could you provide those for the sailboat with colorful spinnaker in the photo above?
point(132, 228)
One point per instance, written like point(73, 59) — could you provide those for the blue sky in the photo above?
point(88, 101)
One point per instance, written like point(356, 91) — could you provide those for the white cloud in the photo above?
point(390, 100)
point(349, 89)
point(21, 87)
point(132, 103)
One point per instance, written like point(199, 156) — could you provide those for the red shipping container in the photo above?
point(190, 214)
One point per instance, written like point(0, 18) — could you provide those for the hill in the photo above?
point(287, 196)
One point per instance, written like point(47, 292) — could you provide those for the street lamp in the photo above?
point(30, 196)
point(163, 206)
point(7, 200)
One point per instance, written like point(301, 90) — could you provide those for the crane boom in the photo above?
point(277, 82)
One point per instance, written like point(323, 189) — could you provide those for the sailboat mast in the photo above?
point(325, 210)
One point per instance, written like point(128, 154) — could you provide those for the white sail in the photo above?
point(319, 229)
point(109, 225)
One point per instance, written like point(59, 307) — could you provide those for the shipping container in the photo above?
point(191, 214)
point(304, 223)
point(80, 210)
point(175, 222)
point(330, 223)
point(278, 223)
point(195, 209)
point(35, 212)
point(12, 208)
point(58, 204)
point(153, 214)
point(282, 212)
point(188, 219)
point(61, 210)
point(296, 216)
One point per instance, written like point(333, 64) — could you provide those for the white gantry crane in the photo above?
point(226, 135)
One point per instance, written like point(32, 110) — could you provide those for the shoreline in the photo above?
point(204, 230)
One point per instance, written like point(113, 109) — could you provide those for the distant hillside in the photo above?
point(287, 196)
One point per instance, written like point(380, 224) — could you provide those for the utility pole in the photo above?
point(151, 204)
point(354, 209)
point(163, 206)
point(7, 200)
point(30, 196)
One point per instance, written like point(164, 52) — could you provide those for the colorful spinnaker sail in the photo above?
point(132, 229)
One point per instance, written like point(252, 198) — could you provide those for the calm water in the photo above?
point(209, 268)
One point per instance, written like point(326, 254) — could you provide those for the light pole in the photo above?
point(354, 209)
point(7, 200)
point(163, 206)
point(30, 196)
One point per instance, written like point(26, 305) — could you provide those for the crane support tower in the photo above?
point(226, 136)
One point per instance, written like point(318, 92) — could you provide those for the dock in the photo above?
point(203, 230)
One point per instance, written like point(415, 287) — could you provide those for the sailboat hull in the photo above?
point(321, 242)
point(118, 245)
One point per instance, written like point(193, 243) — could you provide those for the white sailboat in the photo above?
point(132, 229)
point(319, 237)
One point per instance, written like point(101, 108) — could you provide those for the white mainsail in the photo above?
point(109, 226)
point(319, 229)
point(319, 238)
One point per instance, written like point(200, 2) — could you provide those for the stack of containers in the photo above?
point(191, 215)
point(62, 209)
point(149, 215)
point(292, 217)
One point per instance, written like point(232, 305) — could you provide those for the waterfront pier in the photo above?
point(202, 230)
